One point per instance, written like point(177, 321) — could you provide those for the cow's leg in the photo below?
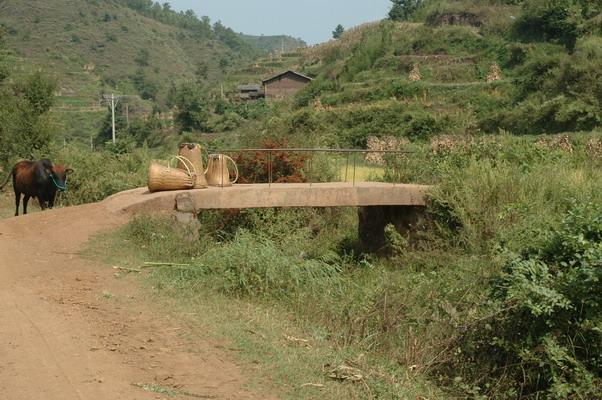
point(42, 201)
point(25, 201)
point(51, 200)
point(17, 201)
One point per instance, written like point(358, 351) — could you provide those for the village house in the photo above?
point(250, 92)
point(284, 84)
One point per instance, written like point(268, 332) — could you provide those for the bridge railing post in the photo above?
point(309, 175)
point(270, 168)
point(354, 167)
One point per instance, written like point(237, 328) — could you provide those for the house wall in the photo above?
point(285, 86)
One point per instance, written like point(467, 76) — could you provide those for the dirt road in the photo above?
point(70, 330)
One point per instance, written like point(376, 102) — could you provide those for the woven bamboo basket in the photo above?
point(165, 177)
point(193, 152)
point(217, 170)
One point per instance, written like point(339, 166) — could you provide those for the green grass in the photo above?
point(262, 333)
point(363, 172)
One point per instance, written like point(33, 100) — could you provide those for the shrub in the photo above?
point(556, 91)
point(558, 21)
point(143, 58)
point(312, 91)
point(546, 337)
point(423, 126)
point(111, 37)
point(146, 88)
point(226, 122)
point(285, 167)
point(303, 121)
point(90, 182)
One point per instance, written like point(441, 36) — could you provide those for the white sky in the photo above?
point(310, 20)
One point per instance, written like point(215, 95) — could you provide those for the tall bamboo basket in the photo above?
point(165, 177)
point(193, 152)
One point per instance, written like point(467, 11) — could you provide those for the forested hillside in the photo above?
point(130, 47)
point(122, 44)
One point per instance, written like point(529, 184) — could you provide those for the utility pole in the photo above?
point(113, 115)
point(114, 101)
point(127, 114)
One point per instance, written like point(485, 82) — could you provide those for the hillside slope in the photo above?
point(92, 47)
point(113, 41)
point(453, 68)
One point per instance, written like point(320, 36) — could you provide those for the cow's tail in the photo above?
point(7, 179)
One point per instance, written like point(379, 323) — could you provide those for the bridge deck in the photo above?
point(340, 194)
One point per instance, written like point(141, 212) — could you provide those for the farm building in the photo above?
point(284, 84)
point(250, 92)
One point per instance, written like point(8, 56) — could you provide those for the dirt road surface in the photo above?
point(70, 330)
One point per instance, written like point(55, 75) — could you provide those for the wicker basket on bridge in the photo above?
point(165, 177)
point(193, 152)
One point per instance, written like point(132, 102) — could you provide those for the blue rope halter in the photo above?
point(59, 187)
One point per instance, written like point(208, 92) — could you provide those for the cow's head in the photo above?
point(58, 176)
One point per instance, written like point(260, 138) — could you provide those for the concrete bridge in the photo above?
point(337, 194)
point(378, 203)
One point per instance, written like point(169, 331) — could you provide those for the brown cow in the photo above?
point(39, 179)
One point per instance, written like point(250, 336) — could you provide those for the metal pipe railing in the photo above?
point(312, 150)
point(348, 152)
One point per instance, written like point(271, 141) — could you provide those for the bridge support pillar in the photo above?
point(185, 215)
point(374, 219)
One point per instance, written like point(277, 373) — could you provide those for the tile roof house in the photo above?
point(250, 92)
point(284, 84)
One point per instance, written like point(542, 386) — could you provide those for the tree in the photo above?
point(37, 91)
point(202, 72)
point(402, 10)
point(560, 21)
point(192, 113)
point(338, 32)
point(26, 130)
point(224, 63)
point(146, 88)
